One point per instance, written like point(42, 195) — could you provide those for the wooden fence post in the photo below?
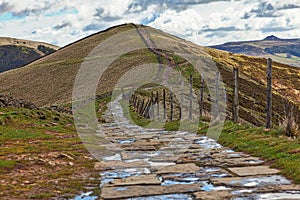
point(138, 102)
point(152, 106)
point(217, 94)
point(191, 96)
point(157, 104)
point(181, 99)
point(171, 102)
point(164, 103)
point(141, 107)
point(201, 96)
point(235, 102)
point(122, 92)
point(146, 111)
point(269, 94)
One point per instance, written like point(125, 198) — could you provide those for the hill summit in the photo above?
point(272, 37)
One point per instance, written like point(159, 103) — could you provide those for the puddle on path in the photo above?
point(86, 196)
point(165, 197)
point(208, 187)
point(127, 141)
point(207, 143)
point(116, 157)
point(270, 196)
point(263, 181)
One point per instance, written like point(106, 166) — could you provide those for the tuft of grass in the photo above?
point(7, 164)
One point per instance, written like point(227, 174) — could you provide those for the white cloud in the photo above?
point(62, 22)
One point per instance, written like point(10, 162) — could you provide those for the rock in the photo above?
point(8, 101)
point(179, 168)
point(140, 191)
point(103, 165)
point(252, 171)
point(219, 195)
point(137, 180)
point(67, 156)
point(52, 163)
point(43, 117)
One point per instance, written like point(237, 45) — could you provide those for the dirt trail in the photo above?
point(145, 36)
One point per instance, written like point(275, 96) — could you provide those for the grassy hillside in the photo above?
point(50, 79)
point(16, 53)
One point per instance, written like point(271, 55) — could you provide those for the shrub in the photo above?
point(289, 125)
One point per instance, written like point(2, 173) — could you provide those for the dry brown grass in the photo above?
point(289, 125)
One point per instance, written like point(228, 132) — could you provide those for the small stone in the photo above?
point(51, 163)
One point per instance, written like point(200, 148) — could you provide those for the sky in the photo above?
point(204, 22)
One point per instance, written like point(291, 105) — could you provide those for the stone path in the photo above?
point(156, 164)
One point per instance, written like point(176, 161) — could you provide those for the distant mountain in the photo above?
point(16, 53)
point(272, 38)
point(286, 51)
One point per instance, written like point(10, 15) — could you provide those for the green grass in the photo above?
point(269, 145)
point(29, 140)
point(272, 146)
point(7, 164)
point(11, 133)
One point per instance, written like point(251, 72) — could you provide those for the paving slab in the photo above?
point(140, 191)
point(253, 170)
point(103, 165)
point(214, 195)
point(179, 168)
point(252, 181)
point(150, 179)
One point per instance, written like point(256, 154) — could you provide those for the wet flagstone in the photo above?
point(153, 164)
point(252, 171)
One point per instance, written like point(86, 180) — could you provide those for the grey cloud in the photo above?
point(27, 12)
point(4, 7)
point(288, 6)
point(268, 14)
point(177, 5)
point(99, 12)
point(63, 25)
point(34, 11)
point(267, 9)
point(222, 29)
point(216, 34)
point(276, 29)
point(105, 17)
point(93, 27)
point(132, 8)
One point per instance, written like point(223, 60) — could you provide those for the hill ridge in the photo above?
point(16, 53)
